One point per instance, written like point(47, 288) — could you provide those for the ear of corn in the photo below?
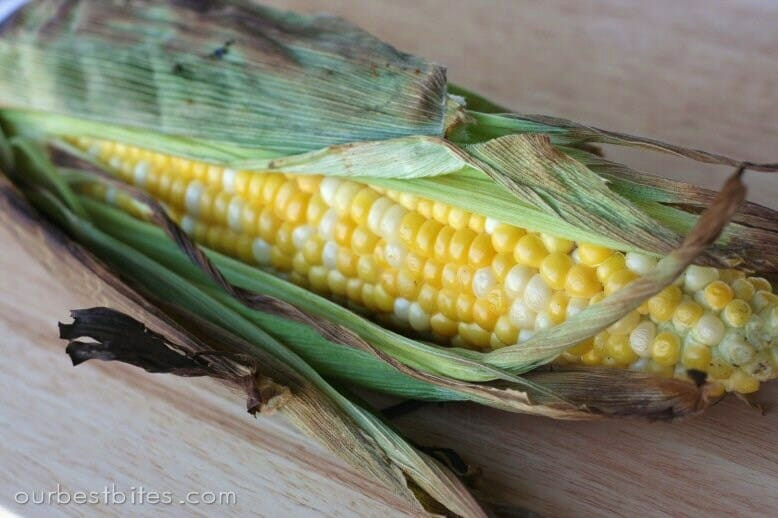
point(459, 278)
point(473, 230)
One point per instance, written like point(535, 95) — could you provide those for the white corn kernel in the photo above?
point(329, 255)
point(537, 294)
point(401, 308)
point(390, 223)
point(302, 234)
point(709, 329)
point(483, 281)
point(376, 214)
point(521, 315)
point(194, 192)
point(228, 180)
point(261, 250)
point(642, 337)
point(640, 263)
point(697, 277)
point(418, 318)
point(234, 213)
point(328, 188)
point(517, 279)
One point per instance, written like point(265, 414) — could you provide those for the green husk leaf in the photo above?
point(234, 73)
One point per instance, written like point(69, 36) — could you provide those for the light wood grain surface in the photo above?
point(698, 73)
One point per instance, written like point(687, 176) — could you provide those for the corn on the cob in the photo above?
point(456, 277)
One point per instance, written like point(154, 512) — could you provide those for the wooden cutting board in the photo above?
point(698, 73)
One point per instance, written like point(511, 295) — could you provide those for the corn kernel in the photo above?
point(737, 313)
point(619, 280)
point(554, 269)
point(530, 251)
point(666, 349)
point(581, 281)
point(505, 237)
point(718, 294)
point(662, 306)
point(593, 255)
point(481, 251)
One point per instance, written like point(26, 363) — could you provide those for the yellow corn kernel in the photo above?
point(343, 232)
point(284, 240)
point(460, 244)
point(383, 300)
point(367, 269)
point(554, 269)
point(582, 347)
point(428, 298)
point(743, 289)
point(442, 240)
point(316, 209)
point(440, 212)
point(557, 244)
point(443, 326)
point(666, 349)
point(505, 237)
point(407, 286)
point(347, 262)
point(530, 250)
point(581, 281)
point(696, 356)
point(424, 207)
point(432, 272)
point(506, 331)
point(447, 303)
point(414, 263)
point(458, 218)
point(448, 277)
point(501, 265)
point(409, 227)
point(687, 314)
point(464, 307)
point(363, 241)
point(474, 334)
point(737, 313)
point(619, 349)
point(387, 279)
point(477, 223)
point(612, 264)
point(270, 187)
point(662, 306)
point(760, 284)
point(718, 294)
point(592, 357)
point(720, 369)
point(619, 280)
point(741, 382)
point(557, 307)
point(593, 255)
point(481, 251)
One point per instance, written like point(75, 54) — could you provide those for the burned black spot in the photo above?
point(698, 377)
point(222, 51)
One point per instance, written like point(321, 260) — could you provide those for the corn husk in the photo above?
point(262, 90)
